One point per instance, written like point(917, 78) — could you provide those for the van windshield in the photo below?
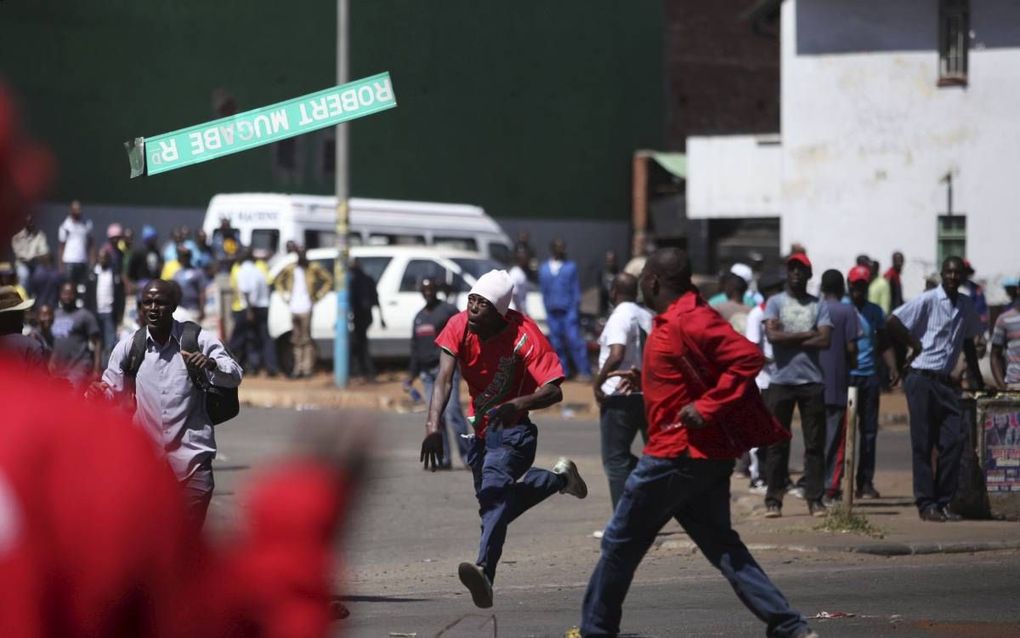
point(475, 267)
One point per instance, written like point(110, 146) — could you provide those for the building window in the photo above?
point(952, 237)
point(954, 41)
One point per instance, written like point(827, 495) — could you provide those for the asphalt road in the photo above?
point(415, 527)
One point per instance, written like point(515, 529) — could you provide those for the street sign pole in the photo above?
point(341, 341)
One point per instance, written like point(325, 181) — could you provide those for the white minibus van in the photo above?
point(267, 221)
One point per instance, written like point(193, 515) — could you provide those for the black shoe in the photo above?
point(817, 509)
point(868, 492)
point(932, 515)
point(477, 583)
point(773, 511)
point(950, 515)
point(337, 610)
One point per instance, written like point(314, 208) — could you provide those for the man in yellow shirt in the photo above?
point(879, 291)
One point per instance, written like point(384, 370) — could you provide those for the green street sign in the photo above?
point(204, 142)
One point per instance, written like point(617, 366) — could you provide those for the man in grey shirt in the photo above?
point(799, 327)
point(167, 403)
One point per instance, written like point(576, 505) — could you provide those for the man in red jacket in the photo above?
point(685, 470)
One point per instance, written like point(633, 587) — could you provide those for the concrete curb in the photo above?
point(919, 549)
point(262, 398)
point(873, 549)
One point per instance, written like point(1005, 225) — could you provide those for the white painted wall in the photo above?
point(868, 135)
point(733, 176)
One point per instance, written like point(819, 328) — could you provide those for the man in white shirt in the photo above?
point(254, 347)
point(302, 284)
point(104, 296)
point(76, 246)
point(519, 277)
point(622, 416)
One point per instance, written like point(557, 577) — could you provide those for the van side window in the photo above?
point(418, 269)
point(319, 239)
point(460, 243)
point(396, 240)
point(501, 253)
point(267, 239)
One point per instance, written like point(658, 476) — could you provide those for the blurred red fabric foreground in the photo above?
point(94, 540)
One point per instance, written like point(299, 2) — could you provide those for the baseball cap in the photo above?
point(743, 271)
point(858, 273)
point(799, 258)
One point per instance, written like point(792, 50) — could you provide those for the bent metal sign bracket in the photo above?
point(258, 127)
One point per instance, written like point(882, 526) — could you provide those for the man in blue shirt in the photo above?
point(865, 377)
point(935, 326)
point(561, 293)
point(837, 361)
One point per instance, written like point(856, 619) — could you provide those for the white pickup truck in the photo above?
point(397, 270)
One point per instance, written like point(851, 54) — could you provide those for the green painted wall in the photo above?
point(528, 108)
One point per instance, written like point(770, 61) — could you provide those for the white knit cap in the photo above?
point(743, 271)
point(497, 288)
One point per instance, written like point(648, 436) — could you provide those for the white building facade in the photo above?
point(881, 119)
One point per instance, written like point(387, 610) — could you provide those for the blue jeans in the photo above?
point(565, 336)
point(869, 390)
point(108, 328)
point(506, 485)
point(453, 416)
point(696, 492)
point(621, 417)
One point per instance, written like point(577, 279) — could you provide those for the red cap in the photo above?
point(800, 258)
point(859, 273)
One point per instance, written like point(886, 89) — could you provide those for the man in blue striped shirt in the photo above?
point(935, 326)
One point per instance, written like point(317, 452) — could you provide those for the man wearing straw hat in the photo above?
point(13, 343)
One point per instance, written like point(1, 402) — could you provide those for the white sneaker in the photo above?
point(575, 484)
point(477, 583)
point(598, 533)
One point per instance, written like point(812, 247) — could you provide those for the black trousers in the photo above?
point(621, 418)
point(809, 399)
point(936, 423)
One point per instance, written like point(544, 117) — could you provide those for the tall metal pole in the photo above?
point(341, 341)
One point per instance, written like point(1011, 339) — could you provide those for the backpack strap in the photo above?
point(136, 354)
point(189, 343)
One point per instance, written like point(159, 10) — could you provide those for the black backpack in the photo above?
point(221, 404)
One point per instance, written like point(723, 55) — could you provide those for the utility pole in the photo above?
point(341, 340)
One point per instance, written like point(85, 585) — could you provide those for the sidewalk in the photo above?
point(894, 517)
point(386, 393)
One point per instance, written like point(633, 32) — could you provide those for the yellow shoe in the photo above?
point(573, 632)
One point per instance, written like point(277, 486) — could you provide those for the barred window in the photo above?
point(954, 41)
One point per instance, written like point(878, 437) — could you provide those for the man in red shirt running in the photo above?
point(685, 470)
point(510, 368)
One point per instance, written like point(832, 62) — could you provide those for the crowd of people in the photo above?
point(86, 298)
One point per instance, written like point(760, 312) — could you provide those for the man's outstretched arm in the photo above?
point(432, 445)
